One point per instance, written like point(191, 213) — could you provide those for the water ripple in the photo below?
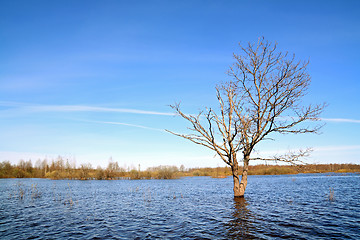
point(276, 207)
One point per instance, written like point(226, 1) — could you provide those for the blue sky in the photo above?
point(92, 80)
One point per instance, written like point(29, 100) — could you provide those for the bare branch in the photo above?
point(292, 157)
point(263, 97)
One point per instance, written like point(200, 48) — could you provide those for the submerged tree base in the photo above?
point(239, 198)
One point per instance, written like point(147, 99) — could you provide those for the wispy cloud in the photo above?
point(124, 124)
point(337, 148)
point(341, 120)
point(318, 149)
point(337, 120)
point(84, 108)
point(11, 104)
point(77, 108)
point(81, 108)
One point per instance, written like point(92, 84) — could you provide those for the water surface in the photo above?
point(287, 206)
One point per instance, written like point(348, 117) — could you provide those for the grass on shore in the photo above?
point(58, 169)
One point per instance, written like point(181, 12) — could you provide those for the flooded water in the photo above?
point(291, 206)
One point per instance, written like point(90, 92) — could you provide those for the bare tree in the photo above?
point(262, 98)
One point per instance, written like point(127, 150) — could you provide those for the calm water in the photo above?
point(295, 207)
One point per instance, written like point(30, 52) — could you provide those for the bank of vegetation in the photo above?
point(62, 169)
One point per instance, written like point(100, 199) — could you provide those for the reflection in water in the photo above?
point(241, 224)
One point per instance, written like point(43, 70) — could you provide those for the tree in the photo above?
point(85, 169)
point(262, 98)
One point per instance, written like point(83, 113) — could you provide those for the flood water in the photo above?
point(275, 207)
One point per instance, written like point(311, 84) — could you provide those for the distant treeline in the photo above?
point(62, 169)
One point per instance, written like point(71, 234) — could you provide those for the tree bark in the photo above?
point(237, 192)
point(243, 182)
point(240, 186)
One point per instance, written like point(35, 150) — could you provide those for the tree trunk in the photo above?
point(236, 183)
point(243, 182)
point(240, 186)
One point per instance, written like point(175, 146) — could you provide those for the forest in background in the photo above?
point(63, 169)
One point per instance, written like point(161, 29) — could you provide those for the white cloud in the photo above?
point(336, 148)
point(316, 150)
point(80, 108)
point(341, 120)
point(125, 124)
point(76, 108)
